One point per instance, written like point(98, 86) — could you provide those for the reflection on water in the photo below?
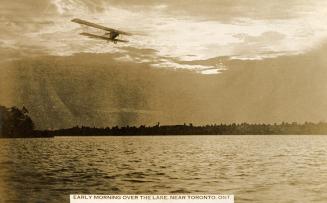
point(254, 168)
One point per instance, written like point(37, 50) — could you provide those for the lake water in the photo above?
point(253, 168)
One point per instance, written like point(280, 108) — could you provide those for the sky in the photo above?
point(189, 61)
point(179, 31)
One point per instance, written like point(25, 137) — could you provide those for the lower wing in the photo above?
point(120, 40)
point(101, 37)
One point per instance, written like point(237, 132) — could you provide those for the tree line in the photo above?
point(188, 129)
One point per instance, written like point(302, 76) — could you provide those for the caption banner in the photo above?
point(78, 198)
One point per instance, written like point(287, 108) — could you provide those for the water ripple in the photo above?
point(253, 168)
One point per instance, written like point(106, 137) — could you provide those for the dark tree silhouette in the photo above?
point(15, 122)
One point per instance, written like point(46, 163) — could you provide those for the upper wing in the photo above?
point(83, 22)
point(101, 37)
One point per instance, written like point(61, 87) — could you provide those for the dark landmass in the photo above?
point(15, 123)
point(221, 129)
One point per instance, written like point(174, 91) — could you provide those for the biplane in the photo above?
point(109, 35)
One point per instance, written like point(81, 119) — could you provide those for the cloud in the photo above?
point(224, 10)
point(173, 65)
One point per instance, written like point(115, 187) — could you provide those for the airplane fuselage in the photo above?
point(113, 35)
